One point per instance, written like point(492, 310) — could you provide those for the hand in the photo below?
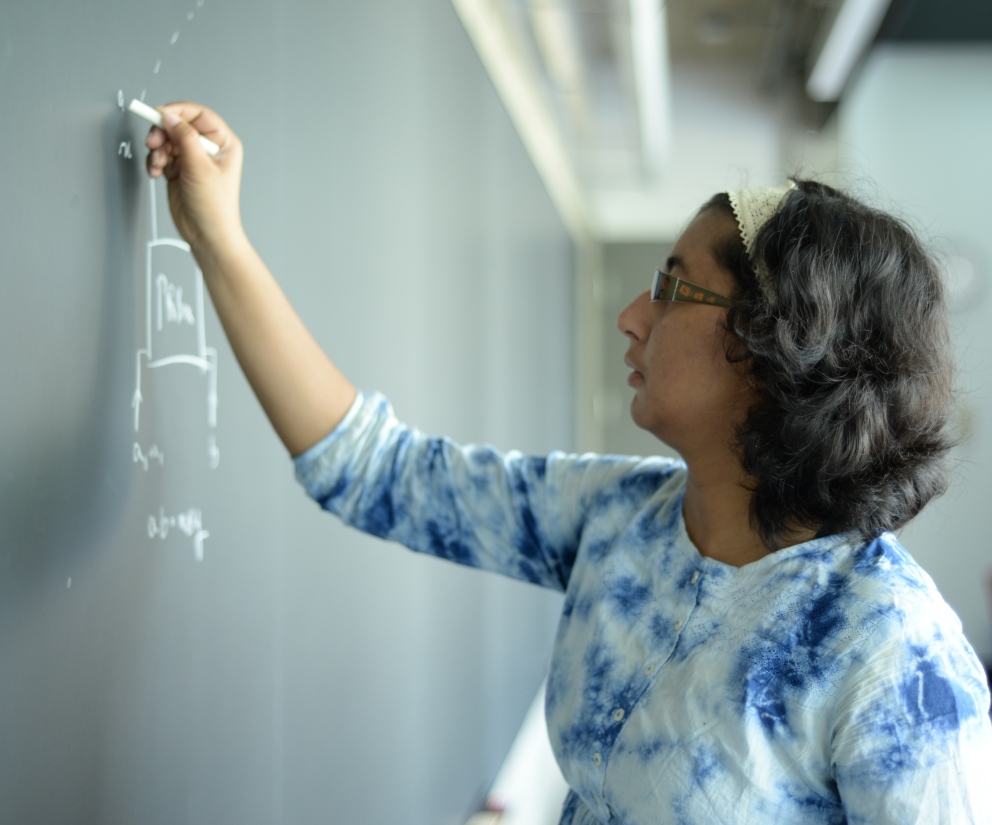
point(203, 190)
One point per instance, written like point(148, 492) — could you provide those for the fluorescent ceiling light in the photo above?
point(554, 31)
point(649, 52)
point(555, 36)
point(852, 31)
point(497, 44)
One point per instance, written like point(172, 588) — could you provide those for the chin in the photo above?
point(641, 417)
point(635, 411)
point(653, 422)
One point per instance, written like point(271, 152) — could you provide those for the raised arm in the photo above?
point(301, 390)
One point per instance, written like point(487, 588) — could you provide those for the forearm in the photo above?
point(301, 390)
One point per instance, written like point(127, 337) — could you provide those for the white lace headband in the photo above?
point(753, 208)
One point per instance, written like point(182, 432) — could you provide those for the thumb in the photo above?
point(184, 136)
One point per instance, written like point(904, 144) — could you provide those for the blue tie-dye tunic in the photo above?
point(825, 683)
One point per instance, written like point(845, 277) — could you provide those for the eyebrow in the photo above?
point(675, 261)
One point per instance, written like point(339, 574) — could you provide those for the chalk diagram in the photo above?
point(175, 332)
point(175, 337)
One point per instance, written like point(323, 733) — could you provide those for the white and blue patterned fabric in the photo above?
point(825, 683)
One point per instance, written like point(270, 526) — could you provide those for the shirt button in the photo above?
point(597, 759)
point(678, 624)
point(618, 714)
point(649, 670)
point(695, 578)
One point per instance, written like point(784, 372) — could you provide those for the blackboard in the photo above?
point(183, 636)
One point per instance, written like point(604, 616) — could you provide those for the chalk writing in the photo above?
point(120, 99)
point(170, 296)
point(154, 454)
point(189, 523)
point(173, 308)
point(175, 335)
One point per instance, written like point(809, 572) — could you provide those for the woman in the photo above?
point(743, 639)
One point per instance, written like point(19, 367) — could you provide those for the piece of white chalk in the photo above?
point(154, 117)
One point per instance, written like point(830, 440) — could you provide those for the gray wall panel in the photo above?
point(300, 672)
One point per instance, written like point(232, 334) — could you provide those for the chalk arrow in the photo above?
point(198, 543)
point(212, 409)
point(136, 404)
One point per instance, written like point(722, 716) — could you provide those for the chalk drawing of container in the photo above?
point(175, 333)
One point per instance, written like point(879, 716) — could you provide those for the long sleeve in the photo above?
point(517, 515)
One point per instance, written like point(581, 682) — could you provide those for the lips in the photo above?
point(636, 376)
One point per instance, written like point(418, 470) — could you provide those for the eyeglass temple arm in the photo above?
point(691, 293)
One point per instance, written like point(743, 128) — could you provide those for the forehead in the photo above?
point(694, 252)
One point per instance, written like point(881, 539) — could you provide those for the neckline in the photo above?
point(814, 549)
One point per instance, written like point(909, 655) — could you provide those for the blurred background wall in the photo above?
point(912, 135)
point(915, 132)
point(658, 106)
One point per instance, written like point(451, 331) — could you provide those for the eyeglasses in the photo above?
point(667, 287)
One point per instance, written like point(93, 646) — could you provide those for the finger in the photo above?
point(156, 137)
point(172, 169)
point(206, 121)
point(157, 168)
point(185, 139)
point(157, 159)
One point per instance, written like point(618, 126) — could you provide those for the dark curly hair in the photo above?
point(852, 361)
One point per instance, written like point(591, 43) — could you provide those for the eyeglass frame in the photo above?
point(677, 289)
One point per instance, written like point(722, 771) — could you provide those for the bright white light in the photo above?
point(555, 36)
point(965, 287)
point(554, 30)
point(853, 30)
point(529, 785)
point(649, 51)
point(497, 44)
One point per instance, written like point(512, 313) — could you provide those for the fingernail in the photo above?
point(171, 119)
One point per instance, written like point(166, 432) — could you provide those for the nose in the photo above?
point(635, 320)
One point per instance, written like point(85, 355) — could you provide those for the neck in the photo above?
point(717, 513)
point(717, 518)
